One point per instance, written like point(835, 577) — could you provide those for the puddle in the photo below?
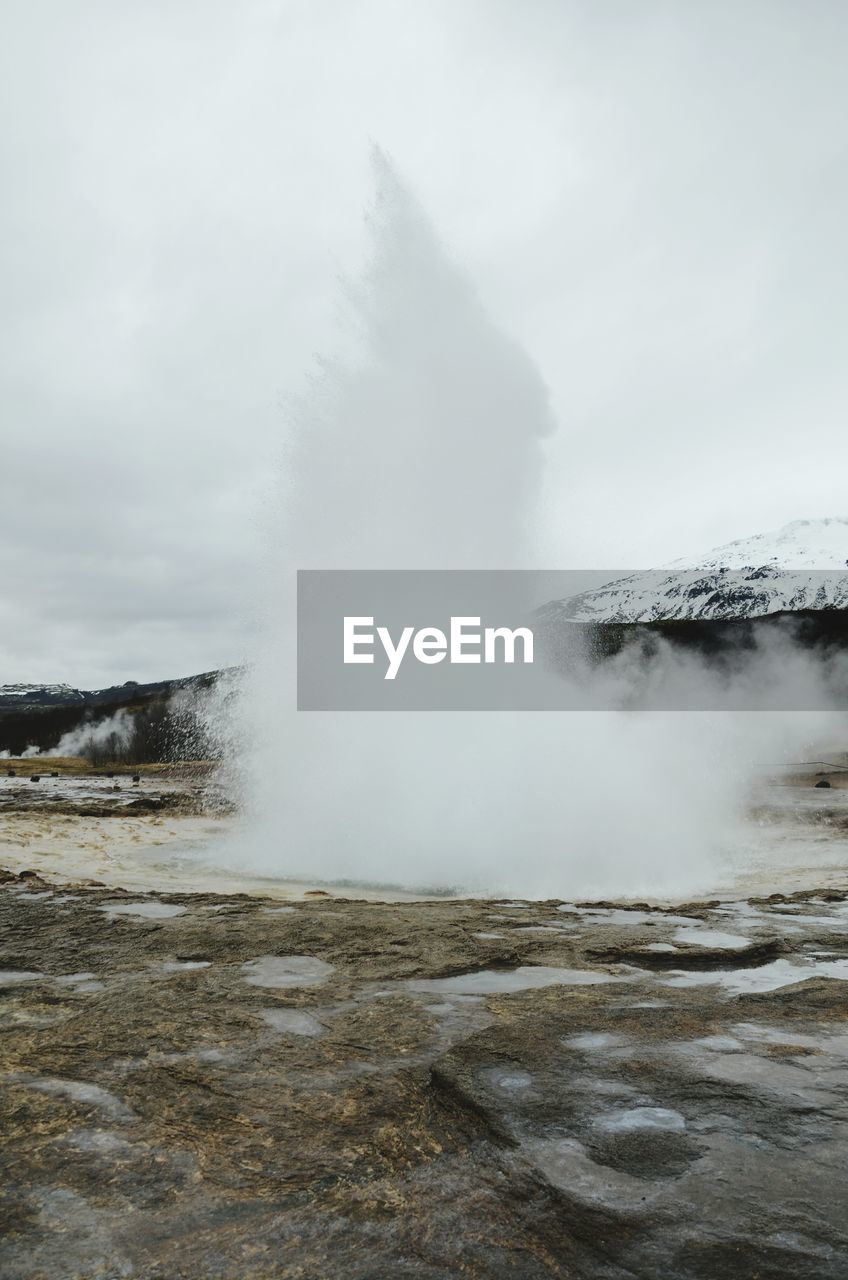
point(625, 916)
point(754, 1071)
point(292, 1022)
point(80, 981)
point(590, 1040)
point(487, 937)
point(566, 1164)
point(712, 938)
point(286, 971)
point(759, 1034)
point(184, 966)
point(501, 982)
point(768, 977)
point(609, 1088)
point(542, 928)
point(642, 1118)
point(453, 1005)
point(13, 977)
point(279, 911)
point(716, 1044)
point(503, 1078)
point(142, 910)
point(78, 1091)
point(97, 1141)
point(744, 915)
point(837, 922)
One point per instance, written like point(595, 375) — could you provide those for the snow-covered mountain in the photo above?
point(803, 566)
point(40, 695)
point(803, 544)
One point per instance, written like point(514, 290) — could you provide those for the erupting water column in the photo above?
point(423, 451)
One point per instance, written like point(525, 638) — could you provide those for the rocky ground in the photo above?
point(48, 786)
point(200, 1086)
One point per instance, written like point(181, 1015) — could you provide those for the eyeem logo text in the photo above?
point(466, 642)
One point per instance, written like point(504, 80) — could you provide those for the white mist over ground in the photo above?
point(114, 731)
point(421, 447)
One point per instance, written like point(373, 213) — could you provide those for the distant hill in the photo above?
point(791, 584)
point(39, 716)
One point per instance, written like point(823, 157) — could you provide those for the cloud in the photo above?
point(648, 197)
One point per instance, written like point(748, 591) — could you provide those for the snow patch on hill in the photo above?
point(803, 566)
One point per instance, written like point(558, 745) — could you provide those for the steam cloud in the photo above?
point(422, 448)
point(113, 730)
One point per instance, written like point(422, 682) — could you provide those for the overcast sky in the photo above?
point(650, 196)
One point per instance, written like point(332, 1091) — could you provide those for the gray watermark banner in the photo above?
point(755, 638)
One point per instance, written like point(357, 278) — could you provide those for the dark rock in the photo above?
point(694, 958)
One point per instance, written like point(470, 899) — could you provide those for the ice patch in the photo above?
point(184, 966)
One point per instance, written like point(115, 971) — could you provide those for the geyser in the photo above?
point(422, 448)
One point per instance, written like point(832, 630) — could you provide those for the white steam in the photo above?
point(114, 732)
point(423, 450)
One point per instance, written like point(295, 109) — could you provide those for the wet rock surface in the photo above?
point(80, 791)
point(204, 1086)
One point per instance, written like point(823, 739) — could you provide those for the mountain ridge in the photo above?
point(801, 567)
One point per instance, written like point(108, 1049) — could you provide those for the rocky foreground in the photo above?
point(200, 1086)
